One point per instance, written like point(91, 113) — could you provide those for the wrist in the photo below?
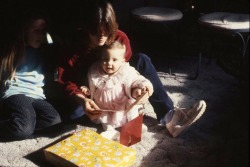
point(81, 96)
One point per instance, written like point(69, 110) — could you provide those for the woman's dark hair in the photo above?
point(99, 12)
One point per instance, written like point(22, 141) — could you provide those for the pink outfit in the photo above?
point(113, 92)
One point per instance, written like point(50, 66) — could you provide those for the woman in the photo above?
point(24, 109)
point(100, 27)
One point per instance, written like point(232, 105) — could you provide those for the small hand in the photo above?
point(85, 90)
point(137, 93)
point(148, 89)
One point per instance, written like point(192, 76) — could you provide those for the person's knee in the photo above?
point(143, 57)
point(22, 130)
point(141, 62)
point(56, 120)
point(50, 120)
point(77, 113)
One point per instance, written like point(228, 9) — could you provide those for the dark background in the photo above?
point(63, 16)
point(64, 13)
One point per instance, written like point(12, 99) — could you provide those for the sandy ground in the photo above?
point(218, 139)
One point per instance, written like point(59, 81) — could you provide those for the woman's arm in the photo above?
point(68, 76)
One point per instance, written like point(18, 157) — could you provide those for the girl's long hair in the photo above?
point(13, 44)
point(11, 53)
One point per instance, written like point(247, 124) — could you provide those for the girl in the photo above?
point(24, 108)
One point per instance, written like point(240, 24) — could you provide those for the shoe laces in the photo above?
point(182, 117)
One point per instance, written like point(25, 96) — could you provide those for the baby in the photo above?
point(114, 86)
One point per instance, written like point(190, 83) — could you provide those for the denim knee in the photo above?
point(144, 57)
point(56, 120)
point(77, 113)
point(141, 61)
point(23, 129)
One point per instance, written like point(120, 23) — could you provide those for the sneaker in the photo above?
point(182, 118)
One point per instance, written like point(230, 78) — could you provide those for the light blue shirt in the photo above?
point(29, 77)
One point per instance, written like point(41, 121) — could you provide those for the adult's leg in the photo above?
point(75, 109)
point(46, 114)
point(18, 118)
point(160, 100)
point(177, 120)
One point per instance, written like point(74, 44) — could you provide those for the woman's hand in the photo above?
point(91, 109)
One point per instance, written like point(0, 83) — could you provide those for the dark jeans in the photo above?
point(20, 116)
point(160, 100)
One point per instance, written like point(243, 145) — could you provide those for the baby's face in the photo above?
point(112, 60)
point(36, 33)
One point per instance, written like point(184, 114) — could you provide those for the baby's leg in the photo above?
point(110, 132)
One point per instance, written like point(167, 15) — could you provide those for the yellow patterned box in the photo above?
point(89, 149)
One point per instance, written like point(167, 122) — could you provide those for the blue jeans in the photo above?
point(160, 100)
point(20, 116)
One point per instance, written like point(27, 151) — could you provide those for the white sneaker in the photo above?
point(182, 118)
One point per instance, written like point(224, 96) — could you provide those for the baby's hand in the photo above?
point(85, 90)
point(136, 92)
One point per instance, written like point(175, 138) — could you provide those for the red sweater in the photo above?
point(73, 69)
